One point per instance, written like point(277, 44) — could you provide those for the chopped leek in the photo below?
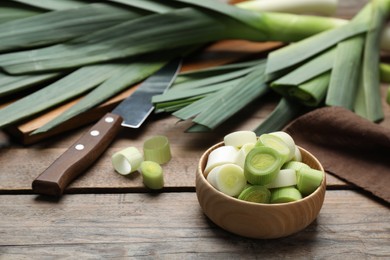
point(262, 164)
point(152, 175)
point(255, 193)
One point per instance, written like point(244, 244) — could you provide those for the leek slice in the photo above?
point(295, 165)
point(308, 180)
point(284, 178)
point(285, 195)
point(228, 178)
point(152, 175)
point(127, 160)
point(157, 149)
point(255, 193)
point(262, 164)
point(285, 149)
point(221, 155)
point(242, 154)
point(240, 138)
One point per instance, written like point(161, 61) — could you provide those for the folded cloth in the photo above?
point(348, 146)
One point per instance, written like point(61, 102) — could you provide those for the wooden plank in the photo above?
point(172, 225)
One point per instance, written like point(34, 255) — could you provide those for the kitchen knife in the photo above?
point(131, 112)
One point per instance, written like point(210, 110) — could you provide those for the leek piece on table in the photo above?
point(157, 149)
point(127, 161)
point(152, 175)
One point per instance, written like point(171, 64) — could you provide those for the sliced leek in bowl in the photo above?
point(249, 218)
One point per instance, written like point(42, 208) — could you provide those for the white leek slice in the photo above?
point(242, 153)
point(152, 175)
point(127, 160)
point(308, 180)
point(284, 178)
point(288, 140)
point(221, 155)
point(285, 194)
point(228, 178)
point(239, 138)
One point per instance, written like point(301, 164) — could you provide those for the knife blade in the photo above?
point(131, 112)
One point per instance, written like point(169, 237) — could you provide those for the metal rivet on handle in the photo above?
point(109, 119)
point(94, 133)
point(79, 147)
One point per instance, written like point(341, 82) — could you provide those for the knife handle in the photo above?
point(78, 157)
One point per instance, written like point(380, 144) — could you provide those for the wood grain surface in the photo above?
point(104, 215)
point(172, 226)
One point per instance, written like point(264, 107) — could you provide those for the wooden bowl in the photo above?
point(255, 220)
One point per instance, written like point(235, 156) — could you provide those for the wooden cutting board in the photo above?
point(216, 54)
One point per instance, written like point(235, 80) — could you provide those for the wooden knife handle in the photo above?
point(78, 157)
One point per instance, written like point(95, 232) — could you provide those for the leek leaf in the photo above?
point(58, 26)
point(345, 74)
point(52, 5)
point(125, 77)
point(285, 111)
point(10, 84)
point(61, 90)
point(368, 103)
point(247, 90)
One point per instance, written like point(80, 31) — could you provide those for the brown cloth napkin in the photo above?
point(348, 146)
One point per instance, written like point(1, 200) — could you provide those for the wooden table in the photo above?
point(106, 215)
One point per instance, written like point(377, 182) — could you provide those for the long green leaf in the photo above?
point(271, 26)
point(313, 68)
point(56, 93)
point(59, 26)
point(10, 12)
point(52, 5)
point(200, 105)
point(285, 111)
point(369, 93)
point(248, 89)
point(183, 27)
point(126, 77)
point(313, 92)
point(127, 39)
point(345, 74)
point(10, 84)
point(299, 52)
